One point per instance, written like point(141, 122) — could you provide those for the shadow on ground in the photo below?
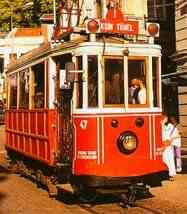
point(3, 176)
point(71, 199)
point(184, 165)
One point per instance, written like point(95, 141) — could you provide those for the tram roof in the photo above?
point(49, 48)
point(44, 50)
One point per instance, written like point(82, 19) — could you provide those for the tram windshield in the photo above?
point(129, 85)
point(114, 81)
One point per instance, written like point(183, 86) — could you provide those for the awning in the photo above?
point(178, 78)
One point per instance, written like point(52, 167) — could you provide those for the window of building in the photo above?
point(137, 81)
point(24, 89)
point(157, 9)
point(114, 81)
point(13, 84)
point(92, 81)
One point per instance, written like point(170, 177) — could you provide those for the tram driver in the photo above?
point(137, 92)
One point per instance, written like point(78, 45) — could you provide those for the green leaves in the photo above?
point(23, 13)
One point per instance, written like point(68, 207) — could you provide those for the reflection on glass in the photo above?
point(13, 91)
point(155, 80)
point(114, 81)
point(79, 83)
point(92, 81)
point(24, 89)
point(39, 78)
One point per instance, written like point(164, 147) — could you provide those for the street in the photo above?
point(19, 195)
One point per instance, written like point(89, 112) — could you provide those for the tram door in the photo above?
point(64, 93)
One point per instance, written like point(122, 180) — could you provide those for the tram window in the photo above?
point(24, 89)
point(155, 81)
point(13, 91)
point(137, 82)
point(92, 81)
point(79, 83)
point(39, 85)
point(114, 81)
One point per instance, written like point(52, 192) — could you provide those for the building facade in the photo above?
point(16, 43)
point(181, 61)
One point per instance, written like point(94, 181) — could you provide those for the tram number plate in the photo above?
point(87, 155)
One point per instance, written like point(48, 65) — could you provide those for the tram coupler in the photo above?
point(128, 198)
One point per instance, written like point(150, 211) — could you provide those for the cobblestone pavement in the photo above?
point(19, 195)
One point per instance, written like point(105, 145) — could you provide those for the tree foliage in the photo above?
point(24, 13)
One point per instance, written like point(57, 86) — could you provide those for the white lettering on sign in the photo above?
point(84, 124)
point(87, 155)
point(125, 27)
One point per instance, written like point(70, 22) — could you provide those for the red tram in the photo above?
point(71, 119)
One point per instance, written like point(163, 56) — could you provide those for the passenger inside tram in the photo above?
point(137, 84)
point(137, 92)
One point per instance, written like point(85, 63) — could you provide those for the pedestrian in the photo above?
point(168, 153)
point(176, 142)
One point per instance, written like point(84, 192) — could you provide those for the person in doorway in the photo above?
point(176, 142)
point(168, 153)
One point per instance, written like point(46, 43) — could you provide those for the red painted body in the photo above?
point(96, 151)
point(36, 135)
point(33, 133)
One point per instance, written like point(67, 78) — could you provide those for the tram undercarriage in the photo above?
point(85, 188)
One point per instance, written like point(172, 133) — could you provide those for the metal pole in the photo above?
point(54, 12)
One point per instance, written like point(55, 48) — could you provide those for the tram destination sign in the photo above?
point(125, 27)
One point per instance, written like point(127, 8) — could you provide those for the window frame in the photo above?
point(146, 63)
point(103, 77)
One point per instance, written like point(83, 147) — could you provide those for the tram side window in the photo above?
point(24, 89)
point(155, 81)
point(137, 81)
point(114, 81)
point(79, 83)
point(92, 81)
point(39, 82)
point(13, 91)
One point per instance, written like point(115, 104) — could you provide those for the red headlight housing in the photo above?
point(92, 26)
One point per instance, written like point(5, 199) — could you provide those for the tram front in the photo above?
point(116, 115)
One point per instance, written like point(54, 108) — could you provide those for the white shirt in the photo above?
point(142, 96)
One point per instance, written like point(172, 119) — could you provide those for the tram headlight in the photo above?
point(127, 142)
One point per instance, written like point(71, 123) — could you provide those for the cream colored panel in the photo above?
point(183, 109)
point(182, 90)
point(184, 142)
point(183, 99)
point(183, 121)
